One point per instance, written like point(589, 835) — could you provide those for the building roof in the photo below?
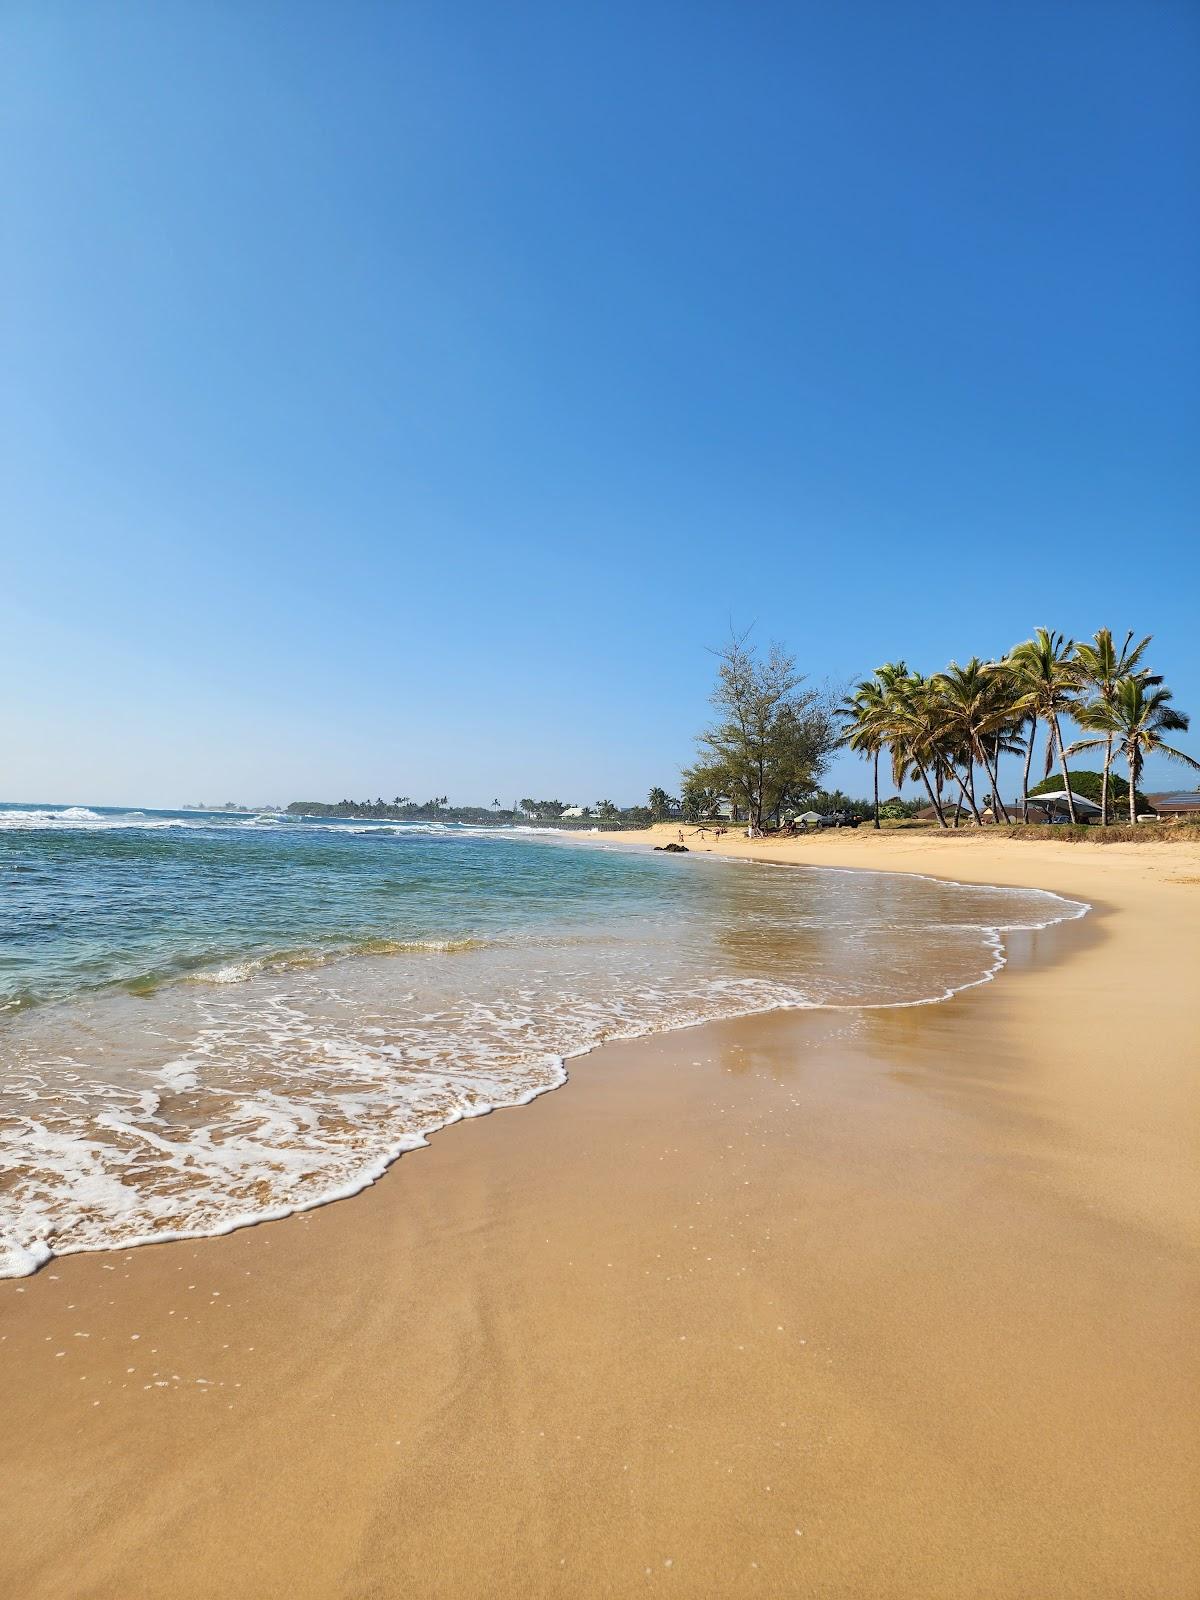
point(1176, 800)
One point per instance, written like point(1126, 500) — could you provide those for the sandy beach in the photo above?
point(887, 1304)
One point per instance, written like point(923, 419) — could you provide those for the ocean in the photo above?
point(207, 1020)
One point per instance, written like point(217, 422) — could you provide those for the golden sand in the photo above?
point(782, 1306)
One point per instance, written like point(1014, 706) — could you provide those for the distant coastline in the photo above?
point(402, 811)
point(545, 814)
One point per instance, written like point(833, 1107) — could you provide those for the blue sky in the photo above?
point(401, 397)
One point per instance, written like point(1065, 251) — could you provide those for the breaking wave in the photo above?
point(216, 1089)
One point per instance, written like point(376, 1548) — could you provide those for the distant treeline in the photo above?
point(402, 809)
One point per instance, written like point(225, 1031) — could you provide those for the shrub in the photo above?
point(1090, 786)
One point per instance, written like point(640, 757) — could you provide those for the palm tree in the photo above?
point(940, 769)
point(908, 731)
point(1045, 678)
point(950, 741)
point(912, 730)
point(976, 709)
point(1007, 737)
point(1138, 714)
point(1101, 667)
point(864, 715)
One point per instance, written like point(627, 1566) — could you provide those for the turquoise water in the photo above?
point(210, 1019)
point(100, 897)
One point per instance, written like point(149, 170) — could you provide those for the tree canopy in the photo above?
point(1089, 785)
point(941, 729)
point(772, 739)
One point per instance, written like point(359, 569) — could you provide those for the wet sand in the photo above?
point(898, 1303)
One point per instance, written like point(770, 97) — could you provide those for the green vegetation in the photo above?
point(1090, 785)
point(1043, 682)
point(772, 740)
point(401, 809)
point(661, 805)
point(605, 814)
point(1102, 669)
point(541, 810)
point(764, 756)
point(699, 800)
point(1137, 717)
point(952, 728)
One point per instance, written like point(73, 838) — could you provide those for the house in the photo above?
point(575, 811)
point(950, 810)
point(1181, 805)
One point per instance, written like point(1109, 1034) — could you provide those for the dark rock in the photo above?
point(673, 849)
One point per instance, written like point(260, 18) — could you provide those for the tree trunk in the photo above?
point(934, 800)
point(999, 809)
point(1028, 764)
point(996, 753)
point(967, 794)
point(1104, 817)
point(975, 811)
point(1132, 790)
point(1062, 762)
point(877, 788)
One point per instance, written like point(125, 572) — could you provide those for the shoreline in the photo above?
point(1144, 895)
point(979, 857)
point(32, 1259)
point(976, 1215)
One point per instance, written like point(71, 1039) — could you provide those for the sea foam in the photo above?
point(255, 1085)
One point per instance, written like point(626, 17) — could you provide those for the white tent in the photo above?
point(1056, 800)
